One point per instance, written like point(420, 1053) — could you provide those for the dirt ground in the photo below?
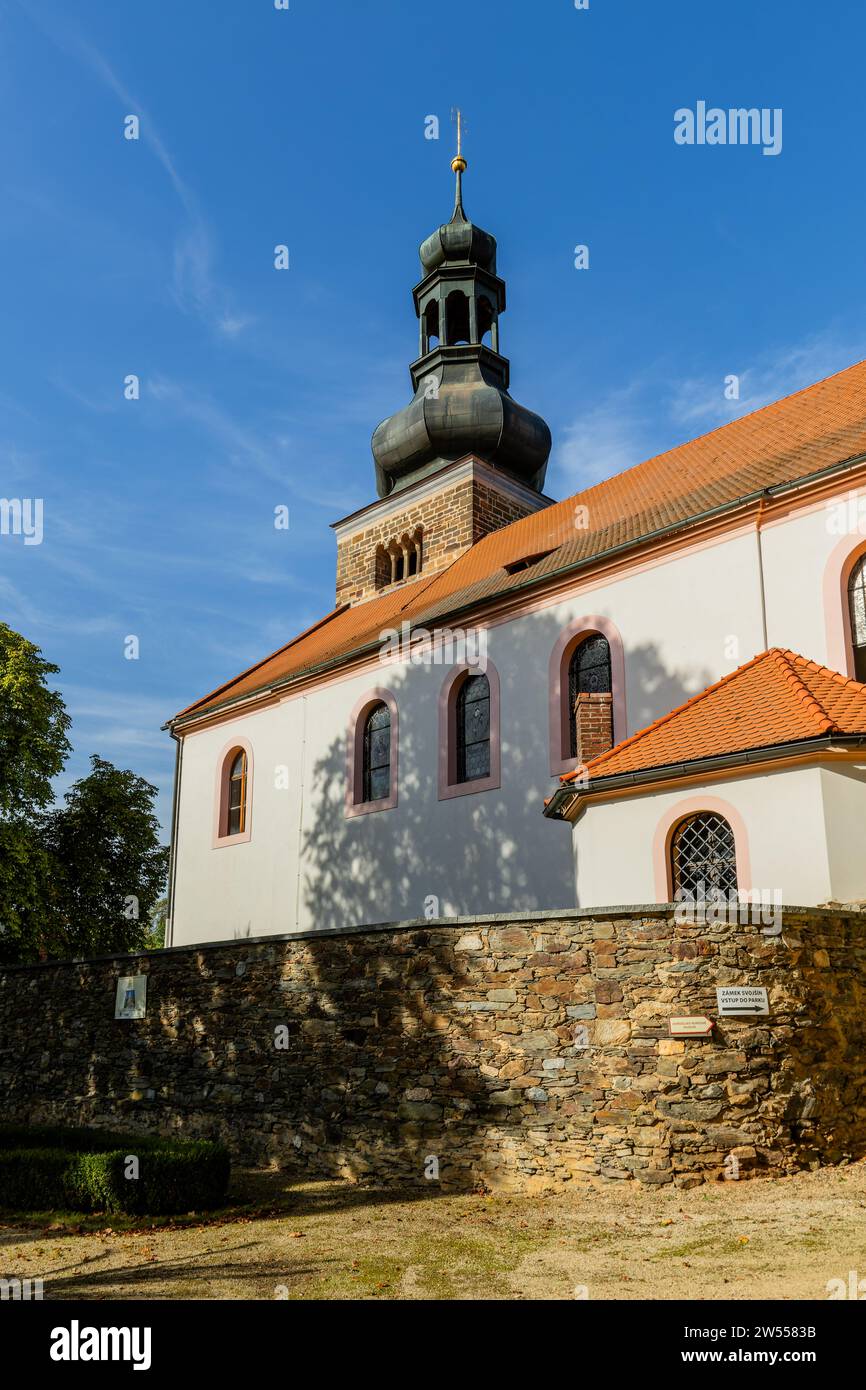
point(780, 1239)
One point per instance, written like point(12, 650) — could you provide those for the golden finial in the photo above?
point(458, 163)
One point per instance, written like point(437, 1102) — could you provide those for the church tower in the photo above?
point(462, 458)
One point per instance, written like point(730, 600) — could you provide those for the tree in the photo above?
point(33, 749)
point(110, 868)
point(79, 878)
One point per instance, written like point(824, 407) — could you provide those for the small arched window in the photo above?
point(857, 611)
point(237, 794)
point(473, 729)
point(456, 318)
point(588, 674)
point(377, 754)
point(703, 858)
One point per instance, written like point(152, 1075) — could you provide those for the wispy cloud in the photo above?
point(602, 441)
point(657, 411)
point(702, 402)
point(195, 286)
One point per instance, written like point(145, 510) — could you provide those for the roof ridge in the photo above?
point(807, 697)
point(672, 714)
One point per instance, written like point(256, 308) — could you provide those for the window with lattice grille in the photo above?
point(473, 729)
point(588, 673)
point(377, 753)
point(703, 858)
point(857, 610)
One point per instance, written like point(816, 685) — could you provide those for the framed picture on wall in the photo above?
point(131, 998)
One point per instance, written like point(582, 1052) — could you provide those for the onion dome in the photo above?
point(461, 404)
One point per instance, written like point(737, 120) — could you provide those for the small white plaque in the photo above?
point(742, 1000)
point(131, 999)
point(690, 1026)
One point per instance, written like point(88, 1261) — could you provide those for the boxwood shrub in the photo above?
point(43, 1168)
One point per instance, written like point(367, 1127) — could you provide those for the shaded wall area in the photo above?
point(523, 1051)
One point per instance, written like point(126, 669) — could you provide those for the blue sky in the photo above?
point(262, 387)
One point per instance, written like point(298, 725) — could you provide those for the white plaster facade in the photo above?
point(685, 619)
point(798, 834)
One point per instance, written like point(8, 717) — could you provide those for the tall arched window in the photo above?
point(237, 797)
point(588, 674)
point(233, 794)
point(857, 610)
point(703, 858)
point(377, 754)
point(473, 729)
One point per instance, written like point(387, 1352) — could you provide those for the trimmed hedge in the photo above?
point(43, 1168)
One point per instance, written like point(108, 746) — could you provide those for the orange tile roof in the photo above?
point(818, 427)
point(778, 697)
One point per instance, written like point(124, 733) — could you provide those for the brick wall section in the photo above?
point(594, 724)
point(525, 1052)
point(452, 520)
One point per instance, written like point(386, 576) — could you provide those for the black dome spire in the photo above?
point(461, 404)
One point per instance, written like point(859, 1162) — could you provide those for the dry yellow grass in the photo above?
point(780, 1239)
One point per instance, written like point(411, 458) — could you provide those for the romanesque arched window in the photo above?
point(400, 559)
point(703, 858)
point(473, 729)
point(589, 674)
point(857, 611)
point(377, 754)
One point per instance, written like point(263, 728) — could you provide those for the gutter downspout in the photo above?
point(297, 926)
point(758, 520)
point(175, 817)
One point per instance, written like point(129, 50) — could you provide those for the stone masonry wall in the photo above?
point(523, 1052)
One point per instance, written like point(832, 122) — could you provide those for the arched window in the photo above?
point(857, 610)
point(588, 674)
point(456, 318)
point(431, 326)
point(234, 780)
point(377, 754)
point(237, 798)
point(473, 729)
point(485, 318)
point(703, 858)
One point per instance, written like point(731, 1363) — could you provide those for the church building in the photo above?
point(648, 689)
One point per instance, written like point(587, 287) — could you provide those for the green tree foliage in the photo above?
point(110, 866)
point(33, 749)
point(84, 877)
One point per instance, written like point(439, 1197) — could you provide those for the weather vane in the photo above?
point(458, 163)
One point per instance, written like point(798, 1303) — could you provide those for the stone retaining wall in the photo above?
point(522, 1052)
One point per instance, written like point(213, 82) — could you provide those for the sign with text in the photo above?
point(734, 1000)
point(690, 1026)
point(131, 998)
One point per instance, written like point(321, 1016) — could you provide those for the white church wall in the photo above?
point(621, 846)
point(684, 623)
point(844, 795)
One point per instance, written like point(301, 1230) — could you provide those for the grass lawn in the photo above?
point(780, 1238)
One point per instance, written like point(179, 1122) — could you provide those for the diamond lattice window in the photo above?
point(703, 858)
point(857, 610)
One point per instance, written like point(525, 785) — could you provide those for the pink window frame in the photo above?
point(221, 796)
point(557, 684)
point(355, 754)
point(448, 784)
point(664, 834)
point(837, 612)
